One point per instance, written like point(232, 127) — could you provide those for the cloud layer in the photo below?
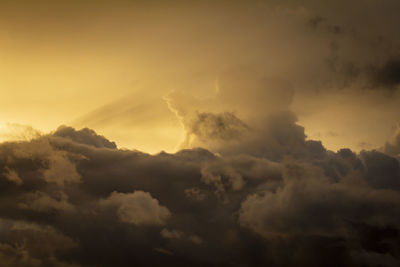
point(96, 205)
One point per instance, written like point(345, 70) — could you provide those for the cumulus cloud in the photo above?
point(196, 207)
point(84, 136)
point(310, 203)
point(137, 208)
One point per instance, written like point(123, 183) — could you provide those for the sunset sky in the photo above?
point(70, 62)
point(245, 129)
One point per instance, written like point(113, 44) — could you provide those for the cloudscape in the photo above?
point(199, 133)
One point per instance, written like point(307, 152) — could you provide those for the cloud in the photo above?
point(41, 202)
point(15, 132)
point(173, 234)
point(84, 136)
point(392, 147)
point(195, 194)
point(137, 208)
point(196, 207)
point(178, 235)
point(309, 203)
point(261, 125)
point(31, 244)
point(382, 171)
point(12, 176)
point(388, 75)
point(225, 126)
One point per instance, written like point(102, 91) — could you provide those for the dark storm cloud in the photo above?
point(126, 197)
point(105, 207)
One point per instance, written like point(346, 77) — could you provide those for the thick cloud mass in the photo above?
point(65, 202)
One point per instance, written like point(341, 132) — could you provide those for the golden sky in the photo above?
point(110, 66)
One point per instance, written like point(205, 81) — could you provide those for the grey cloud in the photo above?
point(39, 201)
point(277, 137)
point(84, 136)
point(12, 176)
point(198, 208)
point(224, 126)
point(178, 235)
point(137, 208)
point(53, 165)
point(195, 194)
point(14, 256)
point(382, 171)
point(30, 244)
point(171, 234)
point(309, 203)
point(312, 210)
point(266, 128)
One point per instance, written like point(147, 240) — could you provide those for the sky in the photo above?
point(69, 62)
point(199, 133)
